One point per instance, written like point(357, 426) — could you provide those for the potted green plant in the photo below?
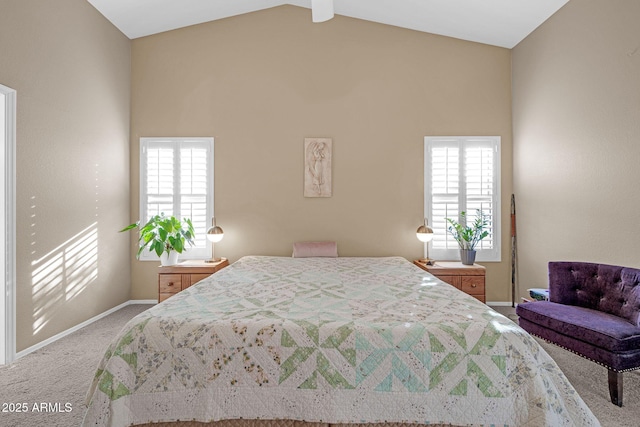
point(468, 236)
point(164, 235)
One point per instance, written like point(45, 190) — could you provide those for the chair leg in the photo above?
point(615, 387)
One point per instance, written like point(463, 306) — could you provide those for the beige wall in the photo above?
point(71, 70)
point(576, 109)
point(262, 82)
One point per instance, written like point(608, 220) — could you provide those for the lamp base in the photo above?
point(212, 260)
point(426, 261)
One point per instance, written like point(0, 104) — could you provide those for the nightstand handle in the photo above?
point(170, 283)
point(473, 285)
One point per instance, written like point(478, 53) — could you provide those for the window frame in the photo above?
point(190, 253)
point(483, 255)
point(8, 221)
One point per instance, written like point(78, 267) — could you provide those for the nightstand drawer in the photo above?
point(164, 296)
point(470, 279)
point(452, 280)
point(175, 278)
point(170, 283)
point(195, 278)
point(473, 285)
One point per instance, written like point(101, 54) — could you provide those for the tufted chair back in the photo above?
point(607, 288)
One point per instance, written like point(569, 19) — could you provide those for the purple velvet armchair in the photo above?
point(594, 311)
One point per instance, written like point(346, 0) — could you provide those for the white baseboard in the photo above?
point(80, 326)
point(499, 303)
point(143, 301)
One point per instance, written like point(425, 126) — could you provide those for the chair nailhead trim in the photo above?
point(585, 357)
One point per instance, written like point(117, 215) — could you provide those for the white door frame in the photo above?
point(8, 229)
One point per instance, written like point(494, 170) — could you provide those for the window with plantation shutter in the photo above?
point(462, 174)
point(176, 178)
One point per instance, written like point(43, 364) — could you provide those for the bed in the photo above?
point(277, 341)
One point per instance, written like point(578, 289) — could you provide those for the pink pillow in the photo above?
point(313, 249)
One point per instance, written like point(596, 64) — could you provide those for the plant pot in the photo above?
point(170, 258)
point(467, 256)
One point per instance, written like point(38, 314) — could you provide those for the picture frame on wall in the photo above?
point(317, 167)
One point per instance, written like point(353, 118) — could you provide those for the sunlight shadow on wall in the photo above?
point(63, 274)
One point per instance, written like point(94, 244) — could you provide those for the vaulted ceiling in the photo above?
point(501, 23)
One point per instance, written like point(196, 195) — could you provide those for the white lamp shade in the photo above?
point(215, 238)
point(424, 237)
point(424, 233)
point(321, 10)
point(214, 233)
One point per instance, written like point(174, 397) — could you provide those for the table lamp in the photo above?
point(425, 235)
point(214, 235)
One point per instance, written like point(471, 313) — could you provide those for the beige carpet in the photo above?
point(59, 375)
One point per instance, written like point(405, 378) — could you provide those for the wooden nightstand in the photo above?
point(468, 278)
point(175, 278)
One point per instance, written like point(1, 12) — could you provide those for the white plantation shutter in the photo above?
point(462, 174)
point(194, 190)
point(176, 178)
point(159, 179)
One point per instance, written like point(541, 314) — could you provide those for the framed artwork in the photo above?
point(317, 167)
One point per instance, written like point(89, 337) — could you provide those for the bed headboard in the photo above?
point(315, 249)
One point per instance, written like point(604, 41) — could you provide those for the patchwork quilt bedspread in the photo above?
point(337, 340)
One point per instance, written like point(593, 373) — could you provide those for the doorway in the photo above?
point(7, 224)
